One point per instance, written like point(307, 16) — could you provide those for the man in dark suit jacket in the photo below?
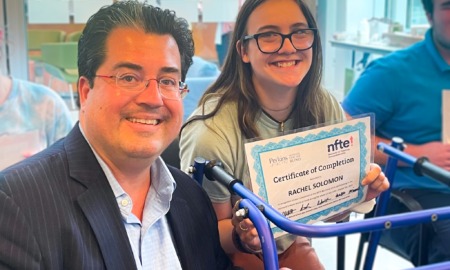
point(102, 198)
point(57, 211)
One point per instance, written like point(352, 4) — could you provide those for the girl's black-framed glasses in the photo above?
point(272, 42)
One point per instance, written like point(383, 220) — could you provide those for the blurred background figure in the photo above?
point(32, 117)
point(200, 75)
point(404, 90)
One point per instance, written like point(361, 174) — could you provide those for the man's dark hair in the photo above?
point(428, 6)
point(91, 46)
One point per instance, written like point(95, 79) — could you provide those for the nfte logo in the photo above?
point(340, 144)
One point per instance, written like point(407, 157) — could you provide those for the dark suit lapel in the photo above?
point(98, 203)
point(179, 219)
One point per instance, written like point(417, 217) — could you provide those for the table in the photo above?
point(368, 48)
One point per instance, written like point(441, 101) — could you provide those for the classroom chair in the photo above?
point(36, 37)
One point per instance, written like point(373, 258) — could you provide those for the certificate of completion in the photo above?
point(446, 116)
point(312, 175)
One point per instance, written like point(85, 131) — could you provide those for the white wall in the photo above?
point(342, 16)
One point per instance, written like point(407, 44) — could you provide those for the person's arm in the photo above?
point(366, 96)
point(212, 143)
point(437, 152)
point(377, 182)
point(223, 213)
point(245, 236)
point(229, 222)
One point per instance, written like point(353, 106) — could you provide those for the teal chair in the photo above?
point(36, 37)
point(63, 56)
point(74, 36)
point(55, 74)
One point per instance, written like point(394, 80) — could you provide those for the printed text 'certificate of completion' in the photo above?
point(312, 175)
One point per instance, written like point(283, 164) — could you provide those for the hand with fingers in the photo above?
point(245, 235)
point(376, 180)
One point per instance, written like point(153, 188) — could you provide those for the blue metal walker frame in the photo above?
point(260, 213)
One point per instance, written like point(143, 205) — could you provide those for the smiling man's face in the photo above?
point(121, 125)
point(440, 21)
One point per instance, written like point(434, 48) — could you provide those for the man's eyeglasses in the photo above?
point(169, 88)
point(271, 42)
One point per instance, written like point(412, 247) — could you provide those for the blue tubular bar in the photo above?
point(338, 229)
point(268, 245)
point(420, 165)
point(395, 152)
point(258, 215)
point(382, 202)
point(327, 230)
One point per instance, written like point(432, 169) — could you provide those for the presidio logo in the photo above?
point(340, 144)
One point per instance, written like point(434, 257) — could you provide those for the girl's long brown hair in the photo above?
point(234, 84)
